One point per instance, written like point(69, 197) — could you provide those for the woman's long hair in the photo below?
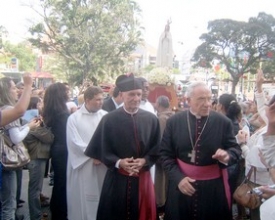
point(55, 99)
point(5, 95)
point(231, 106)
point(33, 102)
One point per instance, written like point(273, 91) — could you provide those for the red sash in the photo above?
point(207, 173)
point(147, 201)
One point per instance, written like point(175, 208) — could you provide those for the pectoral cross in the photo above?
point(192, 155)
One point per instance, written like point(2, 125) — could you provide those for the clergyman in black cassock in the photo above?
point(197, 145)
point(127, 136)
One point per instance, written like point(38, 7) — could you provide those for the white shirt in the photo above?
point(116, 105)
point(84, 179)
point(147, 106)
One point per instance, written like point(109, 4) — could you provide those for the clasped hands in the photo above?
point(131, 165)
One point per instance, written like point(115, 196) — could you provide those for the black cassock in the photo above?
point(108, 105)
point(209, 201)
point(116, 138)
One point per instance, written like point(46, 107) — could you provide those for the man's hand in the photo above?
point(138, 163)
point(127, 165)
point(131, 165)
point(186, 187)
point(222, 156)
point(241, 136)
point(96, 162)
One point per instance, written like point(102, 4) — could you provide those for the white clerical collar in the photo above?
point(144, 101)
point(131, 113)
point(114, 101)
point(197, 116)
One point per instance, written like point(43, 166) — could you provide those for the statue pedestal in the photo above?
point(157, 90)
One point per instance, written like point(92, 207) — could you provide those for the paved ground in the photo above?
point(47, 190)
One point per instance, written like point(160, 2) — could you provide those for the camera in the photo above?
point(39, 119)
point(257, 191)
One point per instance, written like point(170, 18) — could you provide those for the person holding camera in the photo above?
point(38, 143)
point(16, 133)
point(250, 145)
point(9, 115)
point(267, 155)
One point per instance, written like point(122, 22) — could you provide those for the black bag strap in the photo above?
point(249, 174)
point(254, 170)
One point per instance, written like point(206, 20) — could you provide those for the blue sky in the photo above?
point(189, 17)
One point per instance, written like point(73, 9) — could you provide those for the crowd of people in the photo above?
point(122, 157)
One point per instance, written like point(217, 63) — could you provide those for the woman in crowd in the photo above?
point(228, 105)
point(38, 143)
point(16, 133)
point(11, 114)
point(250, 147)
point(55, 115)
point(250, 150)
point(267, 154)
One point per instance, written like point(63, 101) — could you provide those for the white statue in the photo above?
point(165, 50)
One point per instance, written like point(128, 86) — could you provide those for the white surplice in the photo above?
point(84, 179)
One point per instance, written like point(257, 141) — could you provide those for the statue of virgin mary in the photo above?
point(165, 51)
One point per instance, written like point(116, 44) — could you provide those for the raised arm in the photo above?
point(9, 115)
point(259, 95)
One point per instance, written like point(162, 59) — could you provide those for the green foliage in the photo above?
point(148, 68)
point(269, 68)
point(3, 32)
point(23, 52)
point(55, 65)
point(240, 46)
point(93, 37)
point(176, 71)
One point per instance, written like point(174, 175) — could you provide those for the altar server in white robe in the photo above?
point(84, 175)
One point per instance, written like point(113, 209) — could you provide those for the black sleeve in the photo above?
point(230, 144)
point(153, 154)
point(168, 155)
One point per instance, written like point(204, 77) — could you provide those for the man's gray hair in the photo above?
point(194, 85)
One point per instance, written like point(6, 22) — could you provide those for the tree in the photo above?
point(240, 46)
point(93, 37)
point(23, 52)
point(268, 66)
point(3, 32)
point(56, 65)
